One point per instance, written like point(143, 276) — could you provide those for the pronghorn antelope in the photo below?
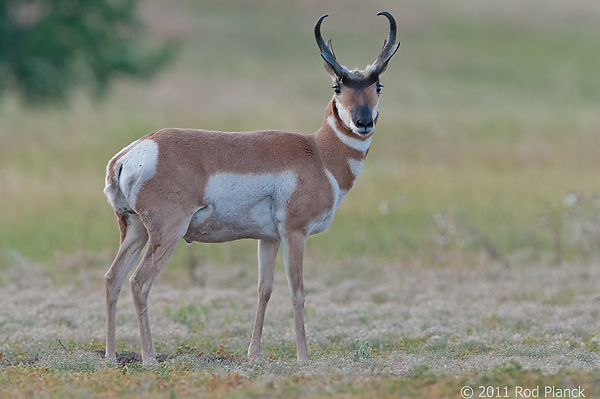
point(273, 186)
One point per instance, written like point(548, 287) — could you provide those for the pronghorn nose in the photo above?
point(364, 123)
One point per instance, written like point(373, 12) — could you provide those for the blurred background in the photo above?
point(486, 148)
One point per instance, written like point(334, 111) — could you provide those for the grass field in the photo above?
point(466, 255)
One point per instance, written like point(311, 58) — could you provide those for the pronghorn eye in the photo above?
point(379, 86)
point(337, 89)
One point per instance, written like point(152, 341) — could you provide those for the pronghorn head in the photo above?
point(357, 92)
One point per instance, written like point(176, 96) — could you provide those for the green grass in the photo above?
point(484, 117)
point(182, 379)
point(489, 129)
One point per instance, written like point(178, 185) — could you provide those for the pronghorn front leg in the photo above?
point(293, 253)
point(267, 253)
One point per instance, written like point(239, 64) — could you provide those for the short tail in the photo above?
point(126, 173)
point(112, 187)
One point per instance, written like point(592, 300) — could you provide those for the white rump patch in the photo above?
point(360, 145)
point(111, 191)
point(138, 165)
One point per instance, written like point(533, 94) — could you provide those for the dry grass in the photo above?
point(452, 320)
point(380, 325)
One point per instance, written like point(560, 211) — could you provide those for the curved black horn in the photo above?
point(318, 36)
point(326, 51)
point(389, 46)
point(392, 35)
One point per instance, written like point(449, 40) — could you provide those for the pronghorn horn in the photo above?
point(327, 50)
point(389, 47)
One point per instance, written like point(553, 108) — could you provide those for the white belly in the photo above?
point(242, 206)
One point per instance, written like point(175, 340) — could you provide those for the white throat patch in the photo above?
point(355, 168)
point(359, 145)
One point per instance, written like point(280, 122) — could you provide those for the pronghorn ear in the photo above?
point(330, 61)
point(330, 45)
point(329, 67)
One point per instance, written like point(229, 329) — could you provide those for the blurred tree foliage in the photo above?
point(49, 47)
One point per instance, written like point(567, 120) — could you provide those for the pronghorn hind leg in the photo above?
point(293, 253)
point(163, 240)
point(267, 253)
point(133, 239)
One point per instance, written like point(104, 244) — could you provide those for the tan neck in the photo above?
point(343, 151)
